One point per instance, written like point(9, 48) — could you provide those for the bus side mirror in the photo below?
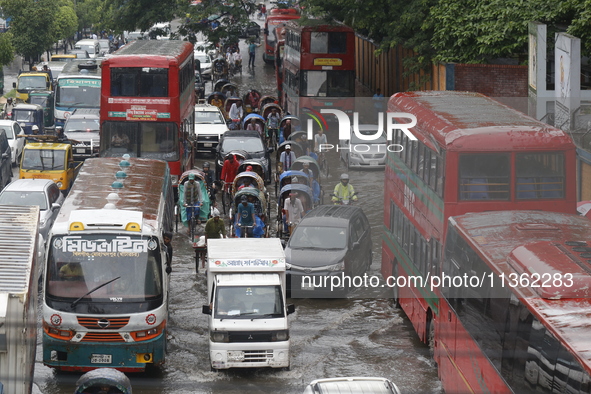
point(206, 309)
point(290, 309)
point(14, 85)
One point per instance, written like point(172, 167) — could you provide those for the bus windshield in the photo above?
point(32, 82)
point(248, 302)
point(79, 264)
point(79, 93)
point(152, 140)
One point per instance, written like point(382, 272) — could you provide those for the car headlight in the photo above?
point(282, 335)
point(337, 267)
point(59, 184)
point(219, 336)
point(174, 179)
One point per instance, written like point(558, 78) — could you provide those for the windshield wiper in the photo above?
point(73, 304)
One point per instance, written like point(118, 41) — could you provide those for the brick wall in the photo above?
point(491, 79)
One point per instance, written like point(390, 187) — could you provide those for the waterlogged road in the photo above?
point(361, 335)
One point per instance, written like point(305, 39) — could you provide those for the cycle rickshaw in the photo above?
point(262, 211)
point(205, 202)
point(267, 108)
point(251, 104)
point(258, 119)
point(267, 100)
point(301, 137)
point(230, 90)
point(227, 105)
point(219, 84)
point(304, 193)
point(256, 166)
point(248, 179)
point(219, 69)
point(315, 184)
point(289, 177)
point(294, 122)
point(226, 188)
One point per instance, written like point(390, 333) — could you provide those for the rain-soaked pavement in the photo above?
point(357, 336)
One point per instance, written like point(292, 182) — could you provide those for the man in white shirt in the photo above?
point(294, 211)
point(236, 113)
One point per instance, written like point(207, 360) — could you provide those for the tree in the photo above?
point(31, 26)
point(6, 48)
point(66, 23)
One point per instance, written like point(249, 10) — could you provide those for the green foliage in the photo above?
point(66, 23)
point(6, 49)
point(231, 15)
point(132, 15)
point(32, 25)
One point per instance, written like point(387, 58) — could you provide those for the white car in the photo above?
point(364, 154)
point(41, 192)
point(17, 144)
point(354, 385)
point(210, 124)
point(204, 62)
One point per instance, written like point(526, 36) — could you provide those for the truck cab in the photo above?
point(49, 160)
point(248, 312)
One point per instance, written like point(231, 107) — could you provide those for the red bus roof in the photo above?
point(316, 25)
point(154, 53)
point(283, 12)
point(525, 242)
point(472, 121)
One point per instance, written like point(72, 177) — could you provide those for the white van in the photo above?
point(93, 47)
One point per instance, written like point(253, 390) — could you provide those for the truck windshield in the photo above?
point(248, 302)
point(32, 82)
point(78, 264)
point(44, 159)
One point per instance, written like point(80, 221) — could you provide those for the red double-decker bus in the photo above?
point(147, 103)
point(520, 322)
point(318, 67)
point(472, 154)
point(274, 29)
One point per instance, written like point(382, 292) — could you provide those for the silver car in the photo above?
point(358, 153)
point(41, 192)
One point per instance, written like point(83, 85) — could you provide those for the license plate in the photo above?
point(81, 150)
point(207, 145)
point(101, 359)
point(373, 163)
point(235, 356)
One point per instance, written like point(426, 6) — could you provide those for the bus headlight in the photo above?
point(219, 336)
point(282, 335)
point(145, 335)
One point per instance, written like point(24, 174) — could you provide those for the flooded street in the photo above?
point(364, 335)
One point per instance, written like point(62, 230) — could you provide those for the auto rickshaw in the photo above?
point(315, 184)
point(219, 84)
point(251, 101)
point(29, 115)
point(230, 89)
point(205, 202)
point(262, 210)
point(45, 99)
point(304, 193)
point(258, 120)
point(267, 100)
point(101, 378)
point(294, 123)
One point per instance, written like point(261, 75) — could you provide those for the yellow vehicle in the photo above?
point(29, 81)
point(63, 57)
point(50, 160)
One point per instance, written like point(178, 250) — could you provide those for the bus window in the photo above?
point(484, 177)
point(324, 42)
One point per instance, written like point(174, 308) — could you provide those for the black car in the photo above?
point(331, 240)
point(248, 141)
point(250, 29)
